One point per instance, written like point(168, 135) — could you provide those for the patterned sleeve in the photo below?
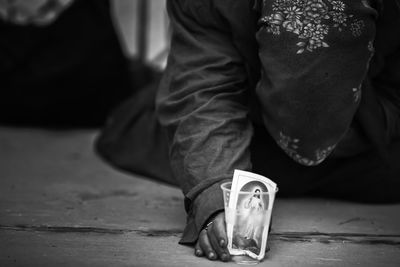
point(315, 56)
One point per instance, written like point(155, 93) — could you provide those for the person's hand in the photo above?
point(212, 242)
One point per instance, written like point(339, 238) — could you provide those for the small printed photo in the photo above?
point(252, 207)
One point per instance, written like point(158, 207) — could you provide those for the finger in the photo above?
point(205, 245)
point(222, 253)
point(197, 250)
point(220, 230)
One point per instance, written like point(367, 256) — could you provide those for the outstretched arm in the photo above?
point(203, 104)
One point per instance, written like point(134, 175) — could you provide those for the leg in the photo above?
point(364, 177)
point(134, 141)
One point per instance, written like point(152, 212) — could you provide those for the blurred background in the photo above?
point(130, 22)
point(69, 63)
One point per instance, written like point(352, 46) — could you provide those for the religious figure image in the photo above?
point(255, 205)
point(251, 211)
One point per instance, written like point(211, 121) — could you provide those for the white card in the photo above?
point(249, 214)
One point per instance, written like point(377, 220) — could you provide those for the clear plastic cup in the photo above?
point(248, 222)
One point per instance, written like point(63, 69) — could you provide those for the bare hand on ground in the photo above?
point(212, 242)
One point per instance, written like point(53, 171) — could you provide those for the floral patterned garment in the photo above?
point(32, 12)
point(309, 19)
point(307, 110)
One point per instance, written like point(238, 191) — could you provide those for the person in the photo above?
point(305, 92)
point(255, 206)
point(255, 202)
point(61, 63)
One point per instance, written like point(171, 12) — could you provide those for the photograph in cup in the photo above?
point(248, 214)
point(252, 209)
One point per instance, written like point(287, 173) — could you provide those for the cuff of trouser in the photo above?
point(206, 204)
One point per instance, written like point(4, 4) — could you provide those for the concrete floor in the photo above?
point(60, 205)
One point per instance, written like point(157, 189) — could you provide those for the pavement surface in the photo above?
point(60, 205)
